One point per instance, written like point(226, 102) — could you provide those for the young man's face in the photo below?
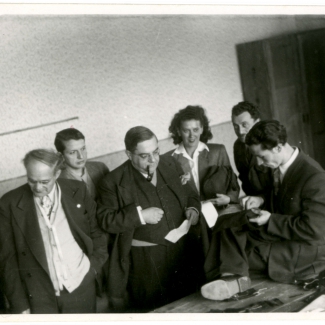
point(41, 177)
point(75, 153)
point(268, 157)
point(190, 131)
point(145, 154)
point(242, 124)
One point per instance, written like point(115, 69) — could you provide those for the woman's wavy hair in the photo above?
point(190, 113)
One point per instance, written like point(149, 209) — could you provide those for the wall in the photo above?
point(115, 72)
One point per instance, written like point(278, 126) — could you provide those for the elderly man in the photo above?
point(255, 178)
point(51, 248)
point(71, 144)
point(140, 202)
point(287, 242)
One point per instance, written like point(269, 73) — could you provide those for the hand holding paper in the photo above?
point(175, 234)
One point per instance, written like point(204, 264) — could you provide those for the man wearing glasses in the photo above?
point(140, 202)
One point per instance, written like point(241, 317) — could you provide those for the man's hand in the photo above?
point(27, 311)
point(221, 199)
point(152, 215)
point(262, 218)
point(192, 215)
point(250, 202)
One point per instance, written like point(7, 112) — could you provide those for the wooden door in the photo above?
point(312, 46)
point(255, 76)
point(288, 94)
point(271, 72)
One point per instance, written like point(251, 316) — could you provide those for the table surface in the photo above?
point(290, 295)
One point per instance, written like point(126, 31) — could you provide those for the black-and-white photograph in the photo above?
point(162, 161)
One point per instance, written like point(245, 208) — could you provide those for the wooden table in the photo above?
point(291, 295)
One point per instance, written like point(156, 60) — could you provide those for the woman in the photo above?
point(208, 165)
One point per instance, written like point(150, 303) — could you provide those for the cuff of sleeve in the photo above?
point(140, 215)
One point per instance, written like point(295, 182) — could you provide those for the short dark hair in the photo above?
point(190, 113)
point(245, 106)
point(46, 156)
point(267, 133)
point(136, 135)
point(66, 135)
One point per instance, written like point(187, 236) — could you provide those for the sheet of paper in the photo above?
point(243, 201)
point(210, 213)
point(175, 234)
point(316, 306)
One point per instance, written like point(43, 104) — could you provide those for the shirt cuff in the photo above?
point(140, 215)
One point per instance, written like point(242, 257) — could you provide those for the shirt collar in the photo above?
point(283, 168)
point(181, 149)
point(74, 174)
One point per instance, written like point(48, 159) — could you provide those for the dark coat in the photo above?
point(117, 214)
point(23, 270)
point(296, 227)
point(96, 170)
point(215, 172)
point(295, 230)
point(256, 179)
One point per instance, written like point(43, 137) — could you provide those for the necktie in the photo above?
point(276, 180)
point(46, 204)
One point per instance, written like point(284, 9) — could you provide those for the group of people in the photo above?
point(77, 230)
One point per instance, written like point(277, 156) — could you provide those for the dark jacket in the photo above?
point(24, 271)
point(96, 170)
point(117, 214)
point(256, 179)
point(296, 227)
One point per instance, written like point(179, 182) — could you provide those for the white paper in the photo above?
point(243, 201)
point(316, 306)
point(210, 213)
point(175, 234)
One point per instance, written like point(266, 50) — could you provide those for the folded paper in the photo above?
point(210, 213)
point(175, 234)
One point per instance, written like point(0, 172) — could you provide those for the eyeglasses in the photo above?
point(146, 156)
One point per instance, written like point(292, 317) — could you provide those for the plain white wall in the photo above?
point(115, 72)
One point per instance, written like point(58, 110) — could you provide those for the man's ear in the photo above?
point(57, 173)
point(277, 148)
point(257, 120)
point(128, 153)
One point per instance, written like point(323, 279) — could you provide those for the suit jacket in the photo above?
point(215, 172)
point(117, 214)
point(23, 270)
point(296, 227)
point(255, 179)
point(96, 170)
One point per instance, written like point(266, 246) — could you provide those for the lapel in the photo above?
point(26, 217)
point(171, 178)
point(126, 187)
point(186, 168)
point(74, 209)
point(91, 170)
point(203, 163)
point(289, 178)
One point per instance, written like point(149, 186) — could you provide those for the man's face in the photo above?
point(75, 153)
point(270, 158)
point(41, 177)
point(145, 154)
point(242, 124)
point(190, 131)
